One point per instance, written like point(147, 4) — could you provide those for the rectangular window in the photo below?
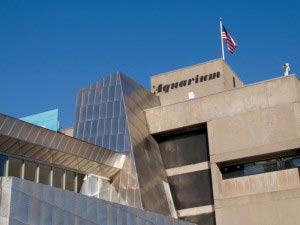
point(2, 165)
point(80, 179)
point(70, 181)
point(58, 175)
point(30, 171)
point(15, 167)
point(264, 165)
point(45, 174)
point(180, 149)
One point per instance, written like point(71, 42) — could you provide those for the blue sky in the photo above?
point(49, 50)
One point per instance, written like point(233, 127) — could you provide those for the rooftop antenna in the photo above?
point(286, 68)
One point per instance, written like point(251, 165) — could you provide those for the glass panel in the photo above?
point(15, 167)
point(109, 112)
point(30, 171)
point(101, 127)
point(113, 142)
point(58, 177)
point(80, 179)
point(292, 162)
point(44, 176)
point(89, 113)
point(120, 141)
point(2, 165)
point(184, 149)
point(111, 93)
point(103, 110)
point(104, 186)
point(122, 124)
point(118, 92)
point(117, 106)
point(114, 125)
point(107, 126)
point(87, 129)
point(82, 113)
point(99, 140)
point(262, 166)
point(106, 141)
point(94, 128)
point(105, 94)
point(106, 81)
point(96, 112)
point(80, 129)
point(92, 97)
point(98, 96)
point(90, 186)
point(85, 96)
point(70, 180)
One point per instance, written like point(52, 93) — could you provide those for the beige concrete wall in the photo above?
point(275, 208)
point(229, 103)
point(261, 183)
point(249, 121)
point(229, 78)
point(199, 89)
point(253, 129)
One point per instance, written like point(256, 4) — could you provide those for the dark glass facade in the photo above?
point(193, 189)
point(184, 148)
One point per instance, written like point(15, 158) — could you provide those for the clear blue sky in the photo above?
point(51, 49)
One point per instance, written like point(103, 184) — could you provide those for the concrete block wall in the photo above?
point(249, 121)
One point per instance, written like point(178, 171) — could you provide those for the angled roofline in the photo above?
point(108, 161)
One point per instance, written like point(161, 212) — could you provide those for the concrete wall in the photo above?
point(224, 82)
point(274, 208)
point(249, 121)
point(228, 103)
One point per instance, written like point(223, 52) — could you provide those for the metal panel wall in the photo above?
point(101, 119)
point(148, 161)
point(24, 202)
point(110, 113)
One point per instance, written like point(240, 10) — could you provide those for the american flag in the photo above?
point(231, 45)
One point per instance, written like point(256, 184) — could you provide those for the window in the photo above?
point(2, 165)
point(53, 176)
point(70, 181)
point(80, 179)
point(269, 164)
point(30, 171)
point(58, 175)
point(45, 174)
point(15, 167)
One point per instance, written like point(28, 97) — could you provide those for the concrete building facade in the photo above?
point(200, 148)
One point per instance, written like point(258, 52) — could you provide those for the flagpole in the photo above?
point(223, 56)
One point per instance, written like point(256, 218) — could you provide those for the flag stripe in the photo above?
point(231, 45)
